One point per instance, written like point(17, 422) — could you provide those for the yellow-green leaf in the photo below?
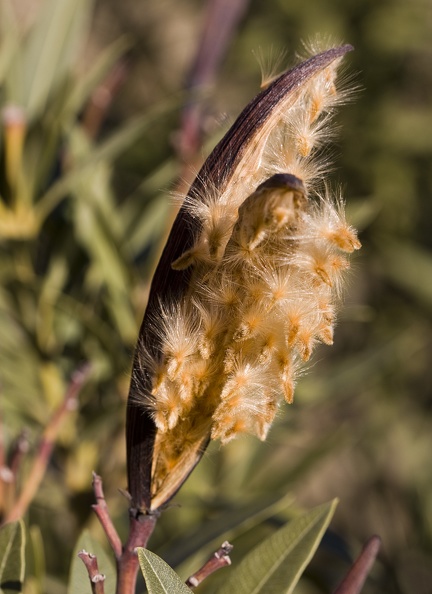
point(275, 565)
point(158, 575)
point(51, 47)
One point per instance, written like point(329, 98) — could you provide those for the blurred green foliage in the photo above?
point(81, 220)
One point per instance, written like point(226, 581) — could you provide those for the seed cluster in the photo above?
point(267, 272)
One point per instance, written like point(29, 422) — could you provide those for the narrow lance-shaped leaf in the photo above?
point(51, 45)
point(275, 565)
point(85, 86)
point(107, 150)
point(158, 575)
point(9, 38)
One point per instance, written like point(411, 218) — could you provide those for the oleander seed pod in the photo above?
point(248, 284)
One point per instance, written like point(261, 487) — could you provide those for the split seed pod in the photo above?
point(247, 284)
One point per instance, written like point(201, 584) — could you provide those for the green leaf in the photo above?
point(88, 82)
point(275, 566)
point(159, 577)
point(78, 576)
point(107, 151)
point(97, 229)
point(35, 562)
point(9, 38)
point(12, 564)
point(52, 45)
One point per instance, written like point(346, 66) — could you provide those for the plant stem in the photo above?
point(140, 529)
point(46, 445)
point(97, 579)
point(218, 560)
point(141, 526)
point(101, 510)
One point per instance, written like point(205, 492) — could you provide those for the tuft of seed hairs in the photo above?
point(267, 270)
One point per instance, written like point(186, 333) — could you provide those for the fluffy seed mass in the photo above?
point(267, 272)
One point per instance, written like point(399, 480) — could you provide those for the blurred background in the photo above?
point(95, 139)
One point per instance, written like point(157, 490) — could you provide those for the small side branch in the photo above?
point(97, 579)
point(218, 560)
point(101, 510)
point(357, 574)
point(47, 443)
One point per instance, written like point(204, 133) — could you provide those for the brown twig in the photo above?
point(96, 579)
point(218, 560)
point(101, 510)
point(46, 445)
point(141, 527)
point(357, 574)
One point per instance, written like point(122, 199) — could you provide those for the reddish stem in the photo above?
point(218, 560)
point(357, 574)
point(101, 510)
point(46, 445)
point(96, 579)
point(140, 529)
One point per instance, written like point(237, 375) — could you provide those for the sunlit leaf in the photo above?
point(159, 577)
point(275, 566)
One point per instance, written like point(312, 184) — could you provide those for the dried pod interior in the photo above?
point(264, 270)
